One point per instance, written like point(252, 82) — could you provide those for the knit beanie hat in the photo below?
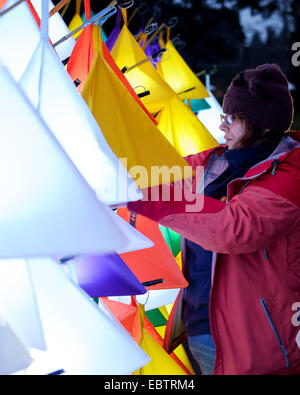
point(262, 97)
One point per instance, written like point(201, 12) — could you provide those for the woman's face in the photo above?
point(234, 130)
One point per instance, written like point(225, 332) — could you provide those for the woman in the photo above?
point(242, 256)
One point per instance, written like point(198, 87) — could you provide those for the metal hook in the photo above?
point(213, 70)
point(156, 12)
point(172, 22)
point(178, 43)
point(102, 20)
point(100, 17)
point(158, 58)
point(142, 94)
point(143, 8)
point(150, 28)
point(125, 3)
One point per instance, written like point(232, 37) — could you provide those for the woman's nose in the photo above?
point(223, 126)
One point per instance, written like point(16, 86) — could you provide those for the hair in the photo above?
point(256, 135)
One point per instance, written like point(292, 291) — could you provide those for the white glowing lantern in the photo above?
point(19, 37)
point(152, 299)
point(136, 240)
point(18, 303)
point(63, 109)
point(81, 337)
point(52, 92)
point(14, 355)
point(57, 30)
point(46, 207)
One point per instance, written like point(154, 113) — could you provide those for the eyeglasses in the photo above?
point(229, 119)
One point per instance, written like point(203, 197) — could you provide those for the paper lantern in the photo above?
point(18, 303)
point(17, 44)
point(179, 75)
point(105, 275)
point(127, 52)
point(138, 140)
point(57, 30)
point(154, 263)
point(14, 356)
point(47, 207)
point(81, 337)
point(50, 89)
point(172, 238)
point(183, 129)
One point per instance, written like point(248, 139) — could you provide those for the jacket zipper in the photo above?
point(274, 165)
point(283, 349)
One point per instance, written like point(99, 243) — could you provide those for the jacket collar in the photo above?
point(284, 148)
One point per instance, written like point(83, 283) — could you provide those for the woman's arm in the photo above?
point(250, 221)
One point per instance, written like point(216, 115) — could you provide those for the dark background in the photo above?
point(212, 33)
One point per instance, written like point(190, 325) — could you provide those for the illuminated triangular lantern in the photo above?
point(57, 30)
point(172, 238)
point(132, 318)
point(157, 298)
point(138, 140)
point(153, 299)
point(136, 239)
point(18, 304)
point(156, 263)
point(161, 363)
point(76, 21)
point(105, 275)
point(183, 129)
point(179, 75)
point(14, 356)
point(46, 206)
point(82, 57)
point(81, 337)
point(110, 42)
point(109, 59)
point(127, 52)
point(179, 352)
point(127, 315)
point(15, 50)
point(49, 87)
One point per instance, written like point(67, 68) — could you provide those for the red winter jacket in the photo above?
point(256, 276)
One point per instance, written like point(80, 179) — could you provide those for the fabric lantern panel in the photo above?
point(82, 338)
point(179, 75)
point(57, 30)
point(139, 142)
point(47, 208)
point(183, 129)
point(154, 263)
point(127, 52)
point(105, 275)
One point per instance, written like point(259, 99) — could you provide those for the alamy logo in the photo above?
point(296, 316)
point(296, 55)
